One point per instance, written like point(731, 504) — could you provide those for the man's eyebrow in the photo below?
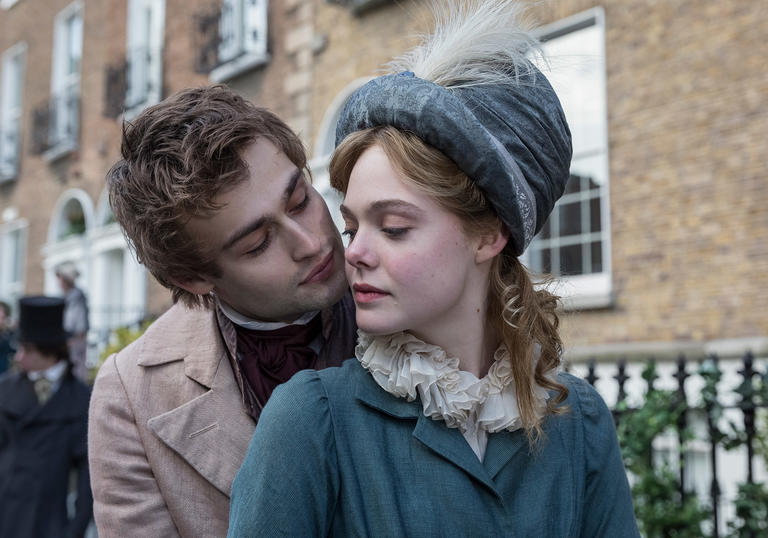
point(258, 223)
point(295, 177)
point(382, 206)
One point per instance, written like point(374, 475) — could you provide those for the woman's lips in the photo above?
point(367, 294)
point(322, 271)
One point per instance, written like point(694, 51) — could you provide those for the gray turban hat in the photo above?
point(512, 139)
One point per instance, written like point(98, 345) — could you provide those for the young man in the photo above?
point(214, 195)
point(43, 414)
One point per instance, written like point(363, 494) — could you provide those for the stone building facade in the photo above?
point(682, 222)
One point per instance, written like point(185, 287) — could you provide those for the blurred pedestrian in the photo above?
point(6, 345)
point(75, 317)
point(43, 425)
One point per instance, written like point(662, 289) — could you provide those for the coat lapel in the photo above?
point(446, 442)
point(502, 447)
point(451, 445)
point(212, 431)
point(17, 396)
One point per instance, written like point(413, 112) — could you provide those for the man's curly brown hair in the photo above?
point(176, 157)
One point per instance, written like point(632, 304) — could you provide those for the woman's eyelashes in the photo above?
point(390, 232)
point(395, 233)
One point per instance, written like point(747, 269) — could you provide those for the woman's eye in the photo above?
point(348, 236)
point(395, 233)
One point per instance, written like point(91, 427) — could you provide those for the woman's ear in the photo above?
point(490, 244)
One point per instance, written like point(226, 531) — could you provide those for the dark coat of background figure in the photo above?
point(39, 446)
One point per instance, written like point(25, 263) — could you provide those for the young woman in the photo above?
point(452, 420)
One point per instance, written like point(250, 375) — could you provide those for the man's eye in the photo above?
point(301, 205)
point(261, 248)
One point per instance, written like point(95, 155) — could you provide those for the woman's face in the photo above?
point(408, 262)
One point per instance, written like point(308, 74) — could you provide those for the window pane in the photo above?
point(546, 261)
point(570, 219)
point(545, 233)
point(571, 260)
point(573, 184)
point(594, 214)
point(597, 257)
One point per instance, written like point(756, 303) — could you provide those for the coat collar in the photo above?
point(17, 398)
point(444, 441)
point(191, 335)
point(212, 431)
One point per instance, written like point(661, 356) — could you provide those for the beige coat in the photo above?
point(167, 432)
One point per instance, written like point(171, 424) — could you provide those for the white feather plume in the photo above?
point(474, 42)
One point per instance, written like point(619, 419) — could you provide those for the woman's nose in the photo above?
point(360, 253)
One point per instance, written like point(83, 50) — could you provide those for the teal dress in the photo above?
point(334, 454)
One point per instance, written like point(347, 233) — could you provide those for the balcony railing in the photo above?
point(134, 82)
point(358, 6)
point(232, 39)
point(55, 123)
point(9, 149)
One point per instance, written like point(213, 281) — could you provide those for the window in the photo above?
point(13, 241)
point(144, 75)
point(10, 110)
point(6, 4)
point(574, 243)
point(242, 37)
point(64, 108)
point(323, 150)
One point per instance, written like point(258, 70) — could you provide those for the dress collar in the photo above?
point(407, 367)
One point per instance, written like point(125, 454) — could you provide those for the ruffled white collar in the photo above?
point(405, 366)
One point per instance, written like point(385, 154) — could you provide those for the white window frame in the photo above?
point(325, 143)
point(145, 35)
point(64, 130)
point(13, 288)
point(589, 290)
point(243, 28)
point(13, 68)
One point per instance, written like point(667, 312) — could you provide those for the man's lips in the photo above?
point(322, 270)
point(365, 293)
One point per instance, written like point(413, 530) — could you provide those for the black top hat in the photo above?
point(41, 320)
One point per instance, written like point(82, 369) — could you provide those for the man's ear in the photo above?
point(198, 286)
point(490, 244)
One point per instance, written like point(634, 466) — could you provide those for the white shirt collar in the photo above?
point(256, 325)
point(52, 374)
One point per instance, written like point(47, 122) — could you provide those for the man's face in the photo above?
point(274, 241)
point(29, 358)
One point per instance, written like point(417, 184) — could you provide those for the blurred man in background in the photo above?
point(43, 427)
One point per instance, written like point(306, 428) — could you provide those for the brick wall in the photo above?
point(686, 91)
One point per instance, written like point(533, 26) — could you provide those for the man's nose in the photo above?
point(306, 242)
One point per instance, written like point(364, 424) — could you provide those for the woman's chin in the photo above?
point(378, 327)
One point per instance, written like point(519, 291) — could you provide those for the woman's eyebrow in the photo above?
point(384, 206)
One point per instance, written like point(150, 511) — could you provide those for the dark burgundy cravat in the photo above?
point(269, 358)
